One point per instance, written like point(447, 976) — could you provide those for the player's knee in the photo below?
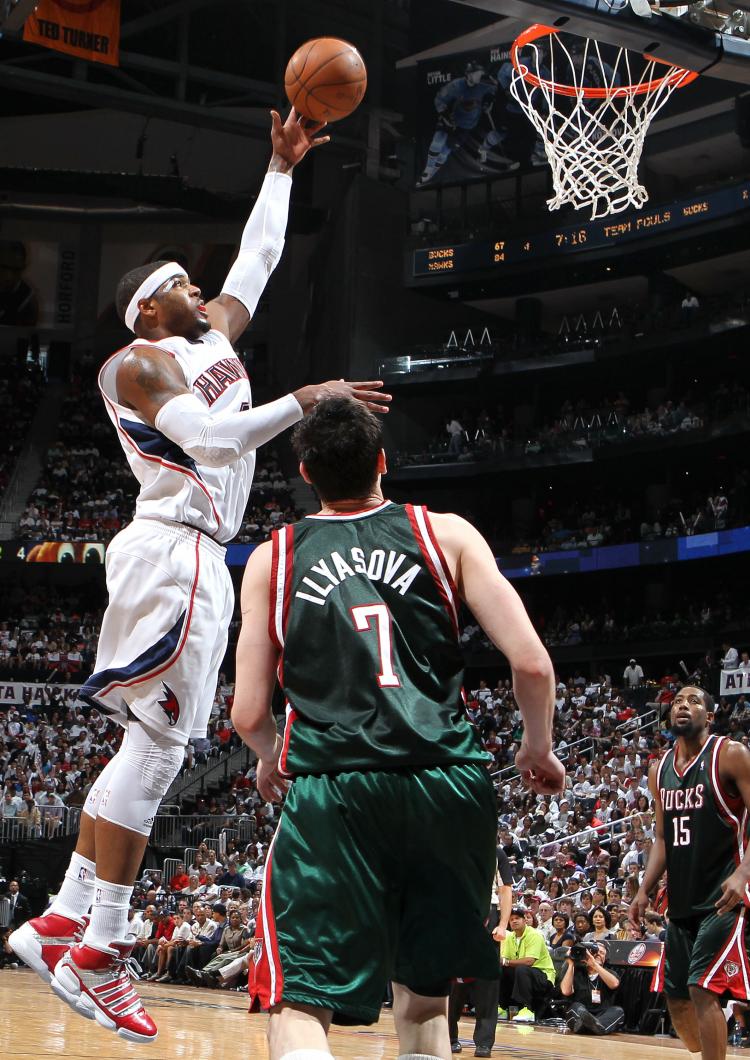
point(416, 1008)
point(148, 766)
point(159, 773)
point(155, 761)
point(703, 999)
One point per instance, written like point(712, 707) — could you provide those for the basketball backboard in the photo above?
point(710, 37)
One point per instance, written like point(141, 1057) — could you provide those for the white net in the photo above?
point(592, 105)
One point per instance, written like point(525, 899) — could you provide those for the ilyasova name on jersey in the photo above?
point(377, 566)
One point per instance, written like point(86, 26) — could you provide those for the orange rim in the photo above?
point(678, 77)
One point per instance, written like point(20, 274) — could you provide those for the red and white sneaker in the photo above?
point(98, 986)
point(41, 942)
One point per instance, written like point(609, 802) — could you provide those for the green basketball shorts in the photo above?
point(377, 876)
point(708, 951)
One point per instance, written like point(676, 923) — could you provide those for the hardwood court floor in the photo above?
point(211, 1024)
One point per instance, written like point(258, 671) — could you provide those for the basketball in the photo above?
point(325, 79)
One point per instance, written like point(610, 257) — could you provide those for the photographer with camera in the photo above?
point(592, 986)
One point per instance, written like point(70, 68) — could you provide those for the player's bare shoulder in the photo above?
point(734, 761)
point(454, 528)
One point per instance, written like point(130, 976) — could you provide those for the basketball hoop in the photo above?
point(592, 105)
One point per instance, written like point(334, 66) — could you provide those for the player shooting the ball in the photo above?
point(180, 401)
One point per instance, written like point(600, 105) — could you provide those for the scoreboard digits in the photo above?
point(488, 255)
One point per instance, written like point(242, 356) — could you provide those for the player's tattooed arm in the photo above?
point(147, 379)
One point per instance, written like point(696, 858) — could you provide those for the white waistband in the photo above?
point(182, 532)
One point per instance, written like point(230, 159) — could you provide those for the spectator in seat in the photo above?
point(202, 929)
point(730, 657)
point(601, 924)
point(545, 925)
point(209, 890)
point(193, 888)
point(162, 934)
point(561, 932)
point(167, 948)
point(19, 913)
point(180, 881)
point(30, 818)
point(456, 439)
point(10, 806)
point(231, 877)
point(633, 675)
point(197, 957)
point(143, 928)
point(212, 864)
point(234, 943)
point(527, 974)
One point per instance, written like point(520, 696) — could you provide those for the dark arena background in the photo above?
point(576, 388)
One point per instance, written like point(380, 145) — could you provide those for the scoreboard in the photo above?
point(496, 254)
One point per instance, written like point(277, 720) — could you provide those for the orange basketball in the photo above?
point(325, 79)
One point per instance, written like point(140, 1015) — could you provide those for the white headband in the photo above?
point(150, 286)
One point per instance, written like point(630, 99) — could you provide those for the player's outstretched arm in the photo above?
point(734, 773)
point(257, 658)
point(499, 610)
point(151, 382)
point(657, 857)
point(263, 237)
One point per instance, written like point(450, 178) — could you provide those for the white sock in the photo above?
point(307, 1054)
point(77, 890)
point(109, 915)
point(417, 1056)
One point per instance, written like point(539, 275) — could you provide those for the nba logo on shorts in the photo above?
point(731, 969)
point(258, 951)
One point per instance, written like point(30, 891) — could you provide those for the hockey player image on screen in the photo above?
point(466, 127)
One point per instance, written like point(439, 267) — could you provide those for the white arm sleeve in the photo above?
point(216, 441)
point(262, 242)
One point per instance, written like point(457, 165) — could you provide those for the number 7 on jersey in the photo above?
point(362, 615)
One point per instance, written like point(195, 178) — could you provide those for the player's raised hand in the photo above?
point(542, 771)
point(292, 139)
point(370, 393)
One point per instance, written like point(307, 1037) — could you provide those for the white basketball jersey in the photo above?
point(173, 486)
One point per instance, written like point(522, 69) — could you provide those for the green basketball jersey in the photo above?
point(705, 830)
point(363, 610)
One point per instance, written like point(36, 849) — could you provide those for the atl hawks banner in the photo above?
point(88, 29)
point(16, 693)
point(735, 682)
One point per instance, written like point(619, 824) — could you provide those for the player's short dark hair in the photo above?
point(339, 444)
point(130, 283)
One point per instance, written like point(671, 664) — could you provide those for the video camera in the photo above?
point(579, 951)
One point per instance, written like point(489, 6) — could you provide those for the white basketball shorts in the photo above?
point(165, 630)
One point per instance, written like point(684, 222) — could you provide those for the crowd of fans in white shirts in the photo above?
point(51, 754)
